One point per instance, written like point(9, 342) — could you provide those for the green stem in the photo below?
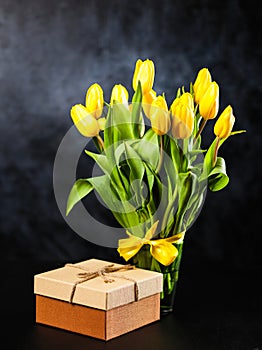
point(185, 146)
point(161, 155)
point(100, 140)
point(214, 160)
point(181, 156)
point(202, 125)
point(168, 209)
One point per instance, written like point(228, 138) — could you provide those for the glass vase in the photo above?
point(144, 260)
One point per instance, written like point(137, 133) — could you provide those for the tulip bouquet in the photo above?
point(155, 171)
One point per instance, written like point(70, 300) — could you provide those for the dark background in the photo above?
point(51, 51)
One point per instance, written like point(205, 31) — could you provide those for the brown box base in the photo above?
point(96, 323)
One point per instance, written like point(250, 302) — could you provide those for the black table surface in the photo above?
point(216, 307)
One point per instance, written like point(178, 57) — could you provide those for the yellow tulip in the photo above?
point(86, 124)
point(201, 84)
point(225, 123)
point(145, 73)
point(187, 99)
point(208, 105)
point(119, 94)
point(159, 116)
point(182, 120)
point(147, 100)
point(182, 111)
point(95, 100)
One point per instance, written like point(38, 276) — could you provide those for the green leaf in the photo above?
point(195, 190)
point(137, 171)
point(197, 151)
point(137, 97)
point(148, 148)
point(153, 189)
point(101, 160)
point(193, 211)
point(186, 188)
point(171, 174)
point(120, 154)
point(103, 187)
point(191, 89)
point(136, 115)
point(120, 183)
point(118, 206)
point(195, 200)
point(121, 120)
point(135, 163)
point(80, 189)
point(175, 153)
point(216, 174)
point(208, 160)
point(112, 138)
point(109, 129)
point(97, 144)
point(209, 157)
point(218, 178)
point(150, 177)
point(122, 209)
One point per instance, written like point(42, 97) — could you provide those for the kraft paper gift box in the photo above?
point(87, 299)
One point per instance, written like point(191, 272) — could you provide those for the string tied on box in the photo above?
point(106, 273)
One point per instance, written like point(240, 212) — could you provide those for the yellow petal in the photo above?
point(208, 105)
point(159, 116)
point(225, 123)
point(147, 100)
point(201, 84)
point(95, 100)
point(86, 124)
point(145, 73)
point(187, 99)
point(182, 121)
point(174, 104)
point(160, 122)
point(137, 68)
point(119, 94)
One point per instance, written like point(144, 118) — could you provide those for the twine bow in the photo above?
point(161, 249)
point(105, 273)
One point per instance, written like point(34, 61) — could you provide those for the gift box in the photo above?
point(98, 298)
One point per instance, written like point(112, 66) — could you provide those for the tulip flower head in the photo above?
point(84, 121)
point(201, 84)
point(182, 111)
point(187, 99)
point(147, 101)
point(145, 73)
point(119, 94)
point(225, 123)
point(95, 100)
point(159, 116)
point(208, 105)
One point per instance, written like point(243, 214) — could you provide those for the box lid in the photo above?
point(63, 284)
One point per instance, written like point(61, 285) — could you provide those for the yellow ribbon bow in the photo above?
point(161, 249)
